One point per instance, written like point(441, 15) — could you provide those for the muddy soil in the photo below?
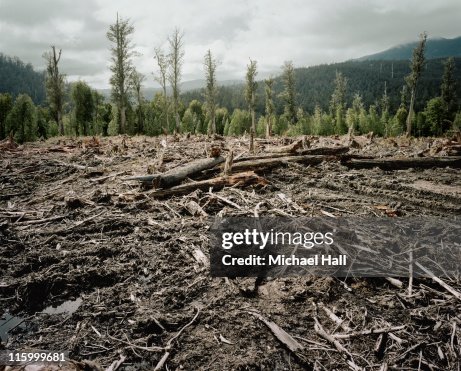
point(92, 265)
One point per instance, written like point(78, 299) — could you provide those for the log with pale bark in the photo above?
point(290, 148)
point(326, 151)
point(403, 163)
point(267, 163)
point(331, 151)
point(177, 175)
point(240, 179)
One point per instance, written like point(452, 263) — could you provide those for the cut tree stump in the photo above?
point(241, 179)
point(177, 175)
point(404, 163)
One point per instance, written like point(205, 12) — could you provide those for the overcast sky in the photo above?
point(308, 32)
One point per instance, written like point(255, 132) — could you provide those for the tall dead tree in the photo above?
point(137, 80)
point(416, 65)
point(250, 92)
point(54, 84)
point(176, 59)
point(161, 78)
point(211, 90)
point(288, 94)
point(269, 90)
point(122, 67)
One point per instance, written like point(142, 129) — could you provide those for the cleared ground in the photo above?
point(128, 266)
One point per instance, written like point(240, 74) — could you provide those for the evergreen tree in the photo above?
point(137, 80)
point(270, 108)
point(176, 60)
point(211, 89)
point(6, 104)
point(288, 94)
point(338, 103)
point(54, 84)
point(161, 78)
point(448, 90)
point(416, 65)
point(21, 120)
point(434, 117)
point(240, 122)
point(122, 52)
point(385, 120)
point(222, 116)
point(84, 108)
point(250, 92)
point(353, 114)
point(338, 98)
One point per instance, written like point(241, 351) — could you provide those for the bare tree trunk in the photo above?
point(213, 123)
point(253, 122)
point(269, 127)
point(166, 109)
point(60, 123)
point(177, 128)
point(122, 120)
point(410, 113)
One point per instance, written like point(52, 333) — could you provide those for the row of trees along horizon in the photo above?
point(77, 109)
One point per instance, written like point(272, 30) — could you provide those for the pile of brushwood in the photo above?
point(104, 253)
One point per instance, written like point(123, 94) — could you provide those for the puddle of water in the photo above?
point(67, 307)
point(8, 322)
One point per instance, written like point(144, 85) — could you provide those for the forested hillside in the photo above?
point(314, 85)
point(16, 78)
point(435, 48)
point(353, 96)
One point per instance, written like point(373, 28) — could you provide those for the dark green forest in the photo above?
point(16, 78)
point(357, 96)
point(314, 85)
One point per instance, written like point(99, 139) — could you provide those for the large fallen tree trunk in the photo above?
point(267, 163)
point(242, 179)
point(177, 175)
point(404, 163)
point(330, 151)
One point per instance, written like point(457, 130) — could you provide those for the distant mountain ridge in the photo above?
point(435, 48)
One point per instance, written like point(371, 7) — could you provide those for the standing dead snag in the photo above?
point(211, 90)
point(122, 66)
point(55, 86)
point(176, 60)
point(416, 65)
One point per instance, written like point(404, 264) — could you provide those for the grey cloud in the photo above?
point(269, 31)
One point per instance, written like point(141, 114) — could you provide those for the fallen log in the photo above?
point(332, 151)
point(329, 151)
point(244, 178)
point(403, 163)
point(177, 175)
point(267, 163)
point(291, 148)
